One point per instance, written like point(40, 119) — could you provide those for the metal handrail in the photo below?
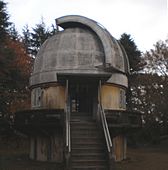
point(67, 123)
point(107, 138)
point(68, 134)
point(103, 120)
point(105, 129)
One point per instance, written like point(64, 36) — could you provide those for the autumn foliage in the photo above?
point(15, 72)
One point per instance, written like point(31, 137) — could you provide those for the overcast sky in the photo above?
point(145, 20)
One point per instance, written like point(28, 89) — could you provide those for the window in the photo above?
point(36, 97)
point(122, 99)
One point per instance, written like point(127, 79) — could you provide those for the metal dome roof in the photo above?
point(82, 47)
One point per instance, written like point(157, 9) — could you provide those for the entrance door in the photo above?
point(82, 97)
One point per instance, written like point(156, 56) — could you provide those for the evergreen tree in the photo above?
point(135, 61)
point(35, 38)
point(38, 36)
point(26, 39)
point(13, 33)
point(132, 51)
point(53, 30)
point(4, 21)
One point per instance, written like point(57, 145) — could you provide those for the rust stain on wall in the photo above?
point(110, 97)
point(54, 97)
point(49, 97)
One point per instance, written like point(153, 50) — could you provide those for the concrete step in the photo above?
point(87, 150)
point(74, 114)
point(84, 140)
point(89, 168)
point(86, 135)
point(87, 142)
point(83, 123)
point(91, 147)
point(88, 162)
point(92, 167)
point(79, 118)
point(85, 131)
point(81, 136)
point(90, 156)
point(87, 145)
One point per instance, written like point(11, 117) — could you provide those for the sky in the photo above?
point(145, 20)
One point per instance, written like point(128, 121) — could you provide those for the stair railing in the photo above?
point(105, 128)
point(67, 130)
point(107, 136)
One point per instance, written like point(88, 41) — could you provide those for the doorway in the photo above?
point(83, 97)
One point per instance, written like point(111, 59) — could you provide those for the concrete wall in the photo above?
point(42, 147)
point(113, 97)
point(47, 148)
point(57, 148)
point(52, 97)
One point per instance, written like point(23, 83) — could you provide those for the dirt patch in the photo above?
point(20, 164)
point(148, 158)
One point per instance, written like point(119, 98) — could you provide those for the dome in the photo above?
point(83, 47)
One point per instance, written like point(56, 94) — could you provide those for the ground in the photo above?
point(145, 158)
point(14, 156)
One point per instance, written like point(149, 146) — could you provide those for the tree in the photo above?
point(14, 76)
point(134, 55)
point(135, 61)
point(33, 39)
point(157, 59)
point(15, 65)
point(14, 35)
point(4, 21)
point(38, 36)
point(150, 94)
point(157, 64)
point(26, 39)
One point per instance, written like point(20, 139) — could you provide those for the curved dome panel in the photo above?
point(83, 47)
point(114, 56)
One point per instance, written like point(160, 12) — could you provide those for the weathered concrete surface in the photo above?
point(120, 147)
point(83, 48)
point(110, 45)
point(118, 79)
point(111, 97)
point(47, 148)
point(52, 97)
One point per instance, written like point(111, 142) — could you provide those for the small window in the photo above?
point(122, 99)
point(36, 97)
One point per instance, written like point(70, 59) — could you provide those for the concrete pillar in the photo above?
point(120, 147)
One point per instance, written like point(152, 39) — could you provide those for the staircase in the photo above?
point(87, 142)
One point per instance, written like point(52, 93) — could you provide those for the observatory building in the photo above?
point(78, 105)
